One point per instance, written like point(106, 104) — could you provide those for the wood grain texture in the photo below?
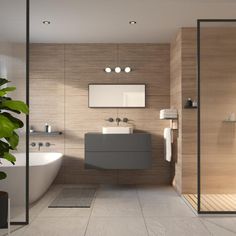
point(217, 102)
point(81, 64)
point(176, 102)
point(183, 86)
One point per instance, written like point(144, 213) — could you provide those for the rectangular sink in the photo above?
point(117, 130)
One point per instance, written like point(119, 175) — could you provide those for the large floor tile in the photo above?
point(176, 227)
point(41, 204)
point(117, 207)
point(116, 226)
point(16, 230)
point(67, 226)
point(174, 208)
point(19, 232)
point(220, 225)
point(116, 191)
point(156, 194)
point(64, 212)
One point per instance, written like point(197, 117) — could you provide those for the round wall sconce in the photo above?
point(108, 70)
point(127, 69)
point(117, 69)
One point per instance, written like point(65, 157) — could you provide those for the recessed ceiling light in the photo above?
point(117, 69)
point(46, 22)
point(133, 22)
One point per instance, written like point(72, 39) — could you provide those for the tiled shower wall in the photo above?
point(59, 78)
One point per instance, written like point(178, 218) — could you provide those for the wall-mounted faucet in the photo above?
point(110, 119)
point(125, 120)
point(40, 145)
point(33, 144)
point(118, 120)
point(49, 144)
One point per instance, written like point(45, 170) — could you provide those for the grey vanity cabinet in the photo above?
point(118, 151)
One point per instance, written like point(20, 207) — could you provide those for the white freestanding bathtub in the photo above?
point(43, 168)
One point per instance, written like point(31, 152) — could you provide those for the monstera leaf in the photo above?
point(6, 90)
point(9, 124)
point(6, 127)
point(4, 81)
point(16, 106)
point(13, 140)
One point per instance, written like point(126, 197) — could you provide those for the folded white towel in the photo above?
point(171, 116)
point(168, 143)
point(168, 114)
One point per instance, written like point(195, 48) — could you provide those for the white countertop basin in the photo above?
point(117, 130)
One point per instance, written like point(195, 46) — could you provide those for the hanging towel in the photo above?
point(167, 143)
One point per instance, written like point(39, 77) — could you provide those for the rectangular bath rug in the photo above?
point(79, 197)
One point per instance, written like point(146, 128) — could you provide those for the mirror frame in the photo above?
point(145, 90)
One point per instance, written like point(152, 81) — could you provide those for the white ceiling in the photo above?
point(107, 21)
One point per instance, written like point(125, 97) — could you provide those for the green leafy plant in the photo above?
point(9, 124)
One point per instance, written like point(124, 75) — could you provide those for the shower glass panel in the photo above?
point(13, 66)
point(217, 116)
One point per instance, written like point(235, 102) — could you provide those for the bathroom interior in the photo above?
point(128, 102)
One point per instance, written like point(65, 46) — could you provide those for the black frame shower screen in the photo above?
point(210, 138)
point(27, 69)
point(14, 65)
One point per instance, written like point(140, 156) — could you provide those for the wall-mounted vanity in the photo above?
point(117, 147)
point(118, 151)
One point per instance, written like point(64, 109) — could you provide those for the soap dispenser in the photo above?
point(189, 103)
point(46, 128)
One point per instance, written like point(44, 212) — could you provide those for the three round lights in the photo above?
point(118, 69)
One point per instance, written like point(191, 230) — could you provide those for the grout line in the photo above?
point(189, 205)
point(95, 197)
point(220, 226)
point(144, 219)
point(64, 131)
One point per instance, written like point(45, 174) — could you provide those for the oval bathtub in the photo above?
point(43, 168)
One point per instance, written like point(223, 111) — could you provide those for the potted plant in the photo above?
point(9, 138)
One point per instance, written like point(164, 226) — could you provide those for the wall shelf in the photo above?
point(170, 119)
point(54, 133)
point(229, 121)
point(190, 107)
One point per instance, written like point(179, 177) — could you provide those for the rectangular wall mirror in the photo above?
point(116, 95)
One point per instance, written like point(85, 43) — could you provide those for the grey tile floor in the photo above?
point(125, 211)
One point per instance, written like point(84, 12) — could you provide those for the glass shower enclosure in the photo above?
point(14, 66)
point(216, 59)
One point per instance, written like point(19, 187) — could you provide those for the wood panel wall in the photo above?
point(176, 102)
point(59, 78)
point(218, 100)
point(183, 86)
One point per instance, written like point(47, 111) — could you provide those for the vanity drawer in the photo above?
point(117, 160)
point(117, 142)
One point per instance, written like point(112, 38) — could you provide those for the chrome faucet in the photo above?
point(118, 120)
point(110, 119)
point(49, 144)
point(40, 145)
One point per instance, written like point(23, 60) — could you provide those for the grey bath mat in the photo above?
point(74, 198)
